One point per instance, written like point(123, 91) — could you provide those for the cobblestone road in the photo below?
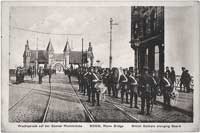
point(28, 103)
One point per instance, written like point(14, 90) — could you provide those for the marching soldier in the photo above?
point(109, 78)
point(146, 86)
point(93, 89)
point(157, 85)
point(123, 82)
point(167, 89)
point(88, 77)
point(133, 84)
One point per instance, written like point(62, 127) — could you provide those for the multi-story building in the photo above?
point(147, 37)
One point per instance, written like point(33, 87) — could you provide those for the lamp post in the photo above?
point(110, 58)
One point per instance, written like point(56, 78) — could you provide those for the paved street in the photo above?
point(61, 102)
point(32, 102)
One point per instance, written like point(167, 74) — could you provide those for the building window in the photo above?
point(156, 58)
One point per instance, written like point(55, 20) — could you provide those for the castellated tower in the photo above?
point(66, 52)
point(27, 56)
point(50, 52)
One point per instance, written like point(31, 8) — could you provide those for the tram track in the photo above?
point(120, 108)
point(48, 104)
point(88, 114)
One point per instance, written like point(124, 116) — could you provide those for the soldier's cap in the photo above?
point(172, 67)
point(183, 67)
point(131, 69)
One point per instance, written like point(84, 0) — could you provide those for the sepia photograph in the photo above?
point(101, 64)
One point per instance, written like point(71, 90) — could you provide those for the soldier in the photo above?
point(156, 79)
point(187, 81)
point(173, 76)
point(98, 78)
point(182, 79)
point(167, 70)
point(146, 86)
point(84, 81)
point(123, 82)
point(109, 83)
point(166, 85)
point(94, 81)
point(40, 74)
point(88, 78)
point(133, 84)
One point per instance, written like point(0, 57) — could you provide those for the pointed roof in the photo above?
point(50, 46)
point(67, 47)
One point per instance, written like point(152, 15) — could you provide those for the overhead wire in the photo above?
point(48, 33)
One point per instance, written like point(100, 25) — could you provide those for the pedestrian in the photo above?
point(133, 87)
point(40, 75)
point(182, 79)
point(146, 85)
point(69, 74)
point(50, 73)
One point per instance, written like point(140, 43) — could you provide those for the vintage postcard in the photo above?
point(100, 66)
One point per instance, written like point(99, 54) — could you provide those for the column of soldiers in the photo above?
point(147, 85)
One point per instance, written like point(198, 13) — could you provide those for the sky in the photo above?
point(93, 24)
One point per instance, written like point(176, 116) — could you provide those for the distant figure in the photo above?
point(173, 76)
point(182, 80)
point(167, 70)
point(187, 81)
point(40, 74)
point(50, 73)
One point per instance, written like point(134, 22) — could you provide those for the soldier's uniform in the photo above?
point(50, 73)
point(88, 77)
point(94, 79)
point(123, 82)
point(146, 86)
point(166, 89)
point(133, 86)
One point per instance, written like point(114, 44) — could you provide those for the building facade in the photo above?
point(147, 37)
point(47, 58)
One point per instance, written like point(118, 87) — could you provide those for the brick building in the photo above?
point(147, 37)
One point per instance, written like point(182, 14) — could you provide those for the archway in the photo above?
point(58, 67)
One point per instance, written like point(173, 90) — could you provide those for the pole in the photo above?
point(36, 63)
point(82, 55)
point(110, 58)
point(9, 42)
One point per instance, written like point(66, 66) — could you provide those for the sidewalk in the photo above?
point(184, 102)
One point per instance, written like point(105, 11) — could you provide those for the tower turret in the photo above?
point(27, 55)
point(66, 52)
point(50, 52)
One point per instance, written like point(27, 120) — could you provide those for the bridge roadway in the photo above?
point(61, 102)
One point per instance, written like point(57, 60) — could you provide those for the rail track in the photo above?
point(48, 103)
point(88, 114)
point(92, 118)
